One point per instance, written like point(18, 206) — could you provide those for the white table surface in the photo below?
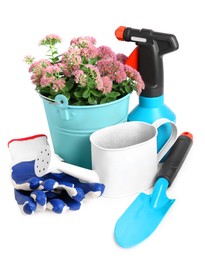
point(88, 233)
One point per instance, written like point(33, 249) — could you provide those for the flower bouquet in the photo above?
point(85, 74)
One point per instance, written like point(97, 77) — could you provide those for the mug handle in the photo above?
point(171, 139)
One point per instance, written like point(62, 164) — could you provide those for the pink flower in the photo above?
point(39, 65)
point(135, 75)
point(105, 52)
point(94, 74)
point(58, 84)
point(121, 57)
point(37, 69)
point(106, 87)
point(140, 85)
point(52, 69)
point(71, 60)
point(89, 52)
point(131, 73)
point(80, 77)
point(113, 69)
point(120, 75)
point(52, 77)
point(86, 46)
point(50, 39)
point(83, 42)
point(47, 81)
point(53, 36)
point(29, 59)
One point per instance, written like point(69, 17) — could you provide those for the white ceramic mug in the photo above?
point(125, 156)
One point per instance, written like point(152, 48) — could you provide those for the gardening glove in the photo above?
point(61, 190)
point(32, 201)
point(54, 191)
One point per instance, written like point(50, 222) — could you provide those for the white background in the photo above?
point(88, 233)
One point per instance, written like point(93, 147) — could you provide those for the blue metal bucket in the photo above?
point(71, 126)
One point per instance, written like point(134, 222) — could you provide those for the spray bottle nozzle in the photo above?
point(166, 42)
point(151, 46)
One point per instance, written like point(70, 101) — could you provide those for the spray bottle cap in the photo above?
point(147, 56)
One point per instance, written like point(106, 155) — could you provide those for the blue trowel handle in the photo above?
point(176, 157)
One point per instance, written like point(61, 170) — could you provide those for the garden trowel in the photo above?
point(146, 212)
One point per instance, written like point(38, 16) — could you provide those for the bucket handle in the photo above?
point(62, 103)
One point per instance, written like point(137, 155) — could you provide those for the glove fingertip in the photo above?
point(29, 208)
point(39, 197)
point(56, 205)
point(34, 183)
point(49, 184)
point(80, 195)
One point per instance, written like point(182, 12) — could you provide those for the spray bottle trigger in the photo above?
point(132, 60)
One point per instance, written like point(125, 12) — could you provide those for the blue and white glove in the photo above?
point(54, 191)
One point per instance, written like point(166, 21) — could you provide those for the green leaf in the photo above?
point(84, 69)
point(128, 89)
point(96, 93)
point(67, 95)
point(70, 84)
point(55, 60)
point(104, 100)
point(122, 91)
point(80, 86)
point(91, 82)
point(93, 60)
point(78, 94)
point(44, 91)
point(79, 103)
point(113, 94)
point(84, 60)
point(86, 93)
point(125, 83)
point(92, 101)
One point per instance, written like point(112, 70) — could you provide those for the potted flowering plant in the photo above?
point(83, 89)
point(84, 74)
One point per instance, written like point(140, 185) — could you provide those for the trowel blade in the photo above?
point(139, 221)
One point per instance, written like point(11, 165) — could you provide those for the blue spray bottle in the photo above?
point(147, 59)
